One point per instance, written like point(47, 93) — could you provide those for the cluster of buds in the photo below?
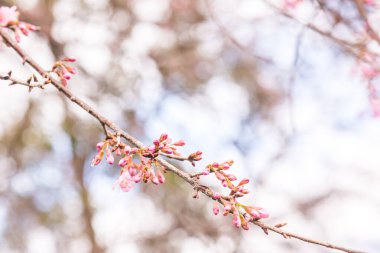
point(242, 214)
point(63, 70)
point(163, 145)
point(137, 164)
point(9, 18)
point(140, 164)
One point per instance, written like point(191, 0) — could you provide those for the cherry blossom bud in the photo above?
point(224, 183)
point(69, 59)
point(155, 180)
point(227, 206)
point(236, 220)
point(99, 146)
point(95, 161)
point(156, 142)
point(152, 148)
point(263, 213)
point(179, 143)
point(160, 176)
point(215, 208)
point(231, 177)
point(220, 176)
point(163, 137)
point(244, 181)
point(216, 195)
point(134, 150)
point(123, 162)
point(109, 157)
point(118, 152)
point(127, 150)
point(206, 171)
point(215, 165)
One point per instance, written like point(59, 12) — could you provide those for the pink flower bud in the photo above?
point(160, 177)
point(155, 180)
point(152, 149)
point(179, 143)
point(220, 176)
point(109, 157)
point(127, 150)
point(263, 213)
point(69, 59)
point(227, 206)
point(206, 171)
point(224, 183)
point(231, 177)
point(215, 165)
point(118, 152)
point(95, 161)
point(163, 137)
point(156, 142)
point(123, 162)
point(215, 208)
point(134, 150)
point(236, 220)
point(216, 195)
point(244, 181)
point(99, 146)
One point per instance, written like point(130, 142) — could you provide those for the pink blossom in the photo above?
point(152, 148)
point(125, 182)
point(109, 157)
point(215, 208)
point(8, 15)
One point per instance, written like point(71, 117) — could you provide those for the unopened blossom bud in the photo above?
point(99, 146)
point(216, 195)
point(127, 150)
point(134, 150)
point(244, 181)
point(154, 180)
point(224, 183)
point(69, 59)
point(152, 148)
point(156, 142)
point(263, 213)
point(220, 176)
point(236, 220)
point(163, 137)
point(109, 157)
point(179, 143)
point(118, 152)
point(160, 176)
point(231, 177)
point(206, 171)
point(244, 191)
point(227, 206)
point(95, 161)
point(123, 162)
point(215, 165)
point(215, 208)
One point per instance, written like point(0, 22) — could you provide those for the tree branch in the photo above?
point(111, 125)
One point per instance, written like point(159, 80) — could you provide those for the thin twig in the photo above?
point(106, 122)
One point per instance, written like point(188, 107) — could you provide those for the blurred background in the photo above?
point(285, 88)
